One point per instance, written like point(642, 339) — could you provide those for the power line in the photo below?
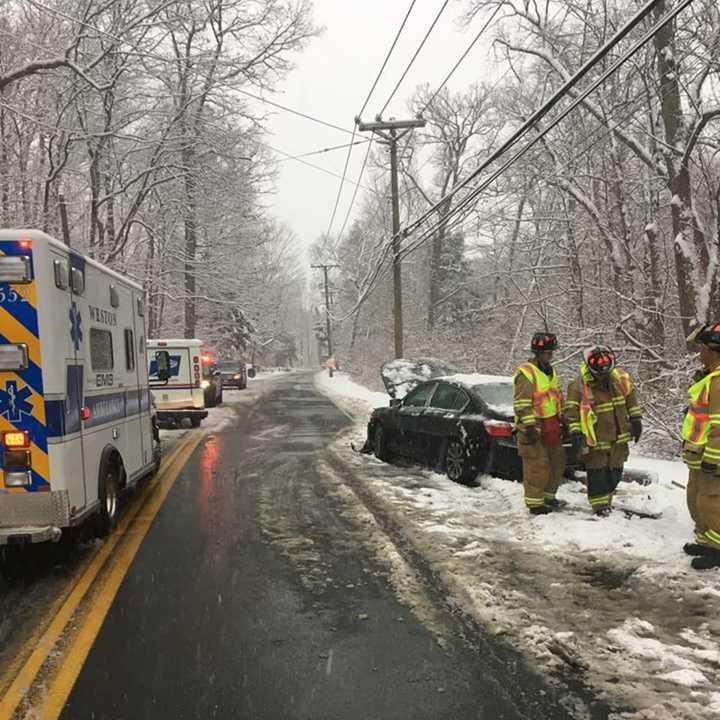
point(296, 112)
point(305, 162)
point(340, 187)
point(374, 275)
point(387, 57)
point(325, 150)
point(462, 59)
point(355, 192)
point(548, 106)
point(412, 60)
point(349, 152)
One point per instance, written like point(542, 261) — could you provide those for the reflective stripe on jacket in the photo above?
point(602, 414)
point(536, 396)
point(701, 427)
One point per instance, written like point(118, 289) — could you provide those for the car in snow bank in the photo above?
point(459, 424)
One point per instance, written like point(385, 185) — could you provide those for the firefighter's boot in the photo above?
point(696, 549)
point(707, 561)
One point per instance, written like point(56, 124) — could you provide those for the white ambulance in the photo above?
point(182, 395)
point(75, 415)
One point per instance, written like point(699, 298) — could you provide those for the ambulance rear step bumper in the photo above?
point(175, 415)
point(32, 517)
point(29, 535)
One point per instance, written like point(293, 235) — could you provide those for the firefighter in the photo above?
point(701, 450)
point(602, 413)
point(538, 411)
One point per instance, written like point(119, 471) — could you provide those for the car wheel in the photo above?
point(210, 399)
point(457, 462)
point(220, 398)
point(109, 497)
point(380, 445)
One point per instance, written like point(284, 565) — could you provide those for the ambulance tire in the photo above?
point(109, 493)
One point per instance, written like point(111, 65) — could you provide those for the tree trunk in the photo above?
point(190, 226)
point(691, 259)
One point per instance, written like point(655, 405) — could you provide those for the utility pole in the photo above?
point(391, 138)
point(325, 268)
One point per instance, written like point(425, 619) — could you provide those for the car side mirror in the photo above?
point(162, 363)
point(395, 402)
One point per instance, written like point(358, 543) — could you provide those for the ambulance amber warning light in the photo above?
point(16, 440)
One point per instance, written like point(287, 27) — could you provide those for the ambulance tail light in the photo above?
point(497, 428)
point(85, 413)
point(196, 372)
point(16, 440)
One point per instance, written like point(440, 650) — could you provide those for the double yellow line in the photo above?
point(114, 557)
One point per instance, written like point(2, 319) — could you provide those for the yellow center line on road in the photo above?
point(156, 490)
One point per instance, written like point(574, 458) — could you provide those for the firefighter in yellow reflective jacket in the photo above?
point(538, 417)
point(701, 450)
point(602, 413)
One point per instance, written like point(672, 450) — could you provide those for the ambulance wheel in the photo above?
point(109, 496)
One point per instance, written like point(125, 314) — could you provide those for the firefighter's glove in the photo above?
point(531, 434)
point(578, 442)
point(635, 429)
point(709, 468)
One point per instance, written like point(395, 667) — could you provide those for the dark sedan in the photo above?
point(234, 374)
point(460, 424)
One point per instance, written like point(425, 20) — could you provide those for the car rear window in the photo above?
point(497, 396)
point(419, 396)
point(448, 397)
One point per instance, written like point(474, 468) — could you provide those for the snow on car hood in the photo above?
point(402, 375)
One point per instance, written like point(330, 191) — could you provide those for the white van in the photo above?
point(182, 394)
point(75, 415)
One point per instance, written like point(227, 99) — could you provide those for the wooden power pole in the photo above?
point(328, 324)
point(391, 138)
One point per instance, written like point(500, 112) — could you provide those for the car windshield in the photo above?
point(498, 396)
point(230, 366)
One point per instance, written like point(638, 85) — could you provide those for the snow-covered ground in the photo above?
point(613, 600)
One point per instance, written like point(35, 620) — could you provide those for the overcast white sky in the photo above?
point(331, 80)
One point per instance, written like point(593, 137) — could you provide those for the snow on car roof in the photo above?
point(475, 379)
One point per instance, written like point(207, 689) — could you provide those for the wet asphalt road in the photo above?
point(253, 596)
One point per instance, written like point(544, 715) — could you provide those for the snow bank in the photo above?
point(615, 596)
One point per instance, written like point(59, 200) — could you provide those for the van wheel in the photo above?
point(109, 496)
point(195, 421)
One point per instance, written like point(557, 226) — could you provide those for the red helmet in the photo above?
point(543, 342)
point(708, 335)
point(600, 360)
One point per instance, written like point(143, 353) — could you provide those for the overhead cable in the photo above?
point(296, 112)
point(462, 59)
point(417, 52)
point(566, 87)
point(325, 150)
point(373, 276)
point(387, 57)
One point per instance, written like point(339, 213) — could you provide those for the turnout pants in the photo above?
point(543, 467)
point(703, 500)
point(604, 472)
